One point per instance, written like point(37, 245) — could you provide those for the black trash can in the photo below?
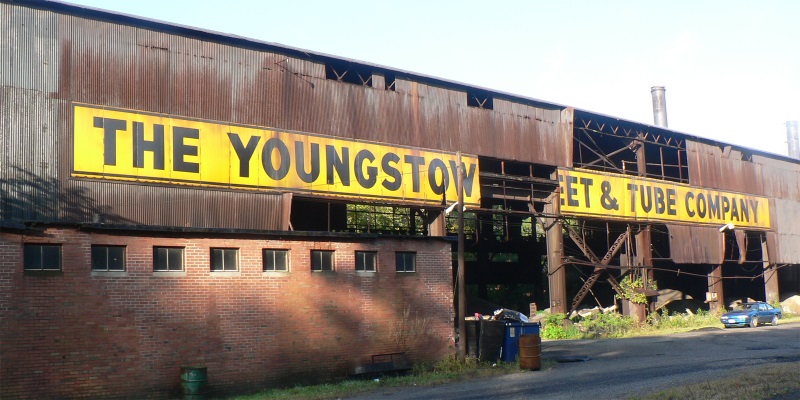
point(491, 340)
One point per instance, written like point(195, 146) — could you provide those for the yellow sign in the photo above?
point(620, 196)
point(135, 146)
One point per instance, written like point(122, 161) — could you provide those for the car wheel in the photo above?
point(754, 322)
point(774, 320)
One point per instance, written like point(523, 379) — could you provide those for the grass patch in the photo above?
point(751, 383)
point(446, 371)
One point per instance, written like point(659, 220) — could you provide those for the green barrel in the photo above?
point(193, 381)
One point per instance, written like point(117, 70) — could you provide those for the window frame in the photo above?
point(274, 252)
point(224, 250)
point(107, 247)
point(374, 258)
point(169, 248)
point(322, 267)
point(40, 249)
point(402, 255)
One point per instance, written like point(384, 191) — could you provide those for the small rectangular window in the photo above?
point(42, 257)
point(224, 259)
point(321, 260)
point(406, 261)
point(167, 259)
point(276, 260)
point(366, 261)
point(108, 258)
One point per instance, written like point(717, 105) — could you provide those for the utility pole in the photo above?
point(462, 301)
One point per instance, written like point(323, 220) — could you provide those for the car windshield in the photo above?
point(745, 307)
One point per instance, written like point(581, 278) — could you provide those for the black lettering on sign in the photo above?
point(369, 180)
point(415, 162)
point(300, 162)
point(633, 188)
point(469, 176)
point(437, 164)
point(671, 193)
point(754, 207)
point(744, 210)
point(572, 191)
point(608, 201)
point(243, 153)
point(283, 164)
point(702, 205)
point(726, 206)
point(140, 145)
point(714, 210)
point(734, 210)
point(587, 183)
point(110, 127)
point(389, 169)
point(647, 205)
point(661, 205)
point(181, 149)
point(688, 201)
point(340, 165)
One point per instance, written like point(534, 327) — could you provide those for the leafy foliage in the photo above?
point(631, 288)
point(554, 327)
point(606, 325)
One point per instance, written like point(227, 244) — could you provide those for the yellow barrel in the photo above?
point(530, 352)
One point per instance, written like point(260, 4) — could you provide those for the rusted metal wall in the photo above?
point(55, 55)
point(723, 168)
point(786, 246)
point(695, 244)
point(726, 168)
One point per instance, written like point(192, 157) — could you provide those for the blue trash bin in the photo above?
point(511, 338)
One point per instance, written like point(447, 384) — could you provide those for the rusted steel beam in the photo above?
point(556, 276)
point(613, 153)
point(598, 270)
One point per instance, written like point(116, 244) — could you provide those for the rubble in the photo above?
point(791, 305)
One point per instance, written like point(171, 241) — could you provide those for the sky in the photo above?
point(731, 68)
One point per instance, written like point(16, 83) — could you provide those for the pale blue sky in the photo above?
point(731, 68)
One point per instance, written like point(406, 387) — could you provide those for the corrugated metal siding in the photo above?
point(29, 54)
point(29, 174)
point(29, 48)
point(713, 167)
point(695, 244)
point(112, 203)
point(781, 178)
point(787, 237)
point(51, 60)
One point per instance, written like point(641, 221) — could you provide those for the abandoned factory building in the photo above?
point(172, 196)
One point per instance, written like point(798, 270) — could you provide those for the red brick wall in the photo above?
point(80, 333)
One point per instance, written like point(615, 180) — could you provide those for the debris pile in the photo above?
point(791, 305)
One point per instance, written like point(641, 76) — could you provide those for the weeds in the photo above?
point(557, 326)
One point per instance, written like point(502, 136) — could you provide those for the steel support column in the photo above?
point(436, 224)
point(556, 273)
point(644, 259)
point(716, 301)
point(771, 288)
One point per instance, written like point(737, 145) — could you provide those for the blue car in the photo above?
point(751, 314)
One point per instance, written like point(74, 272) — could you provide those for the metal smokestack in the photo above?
point(659, 106)
point(792, 139)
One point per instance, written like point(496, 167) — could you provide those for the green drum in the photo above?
point(193, 381)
